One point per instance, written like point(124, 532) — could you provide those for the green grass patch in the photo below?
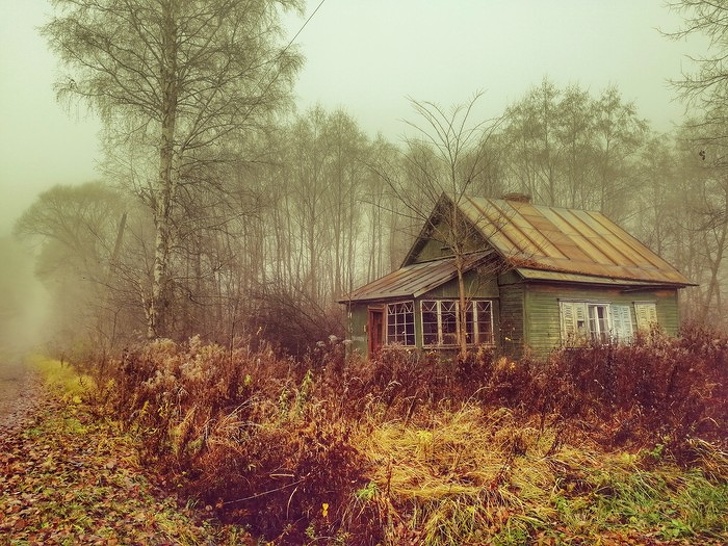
point(60, 377)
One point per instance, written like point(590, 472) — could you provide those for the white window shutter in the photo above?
point(646, 316)
point(621, 318)
point(573, 319)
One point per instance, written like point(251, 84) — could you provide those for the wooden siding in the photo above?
point(358, 316)
point(511, 338)
point(432, 250)
point(526, 316)
point(542, 321)
point(476, 286)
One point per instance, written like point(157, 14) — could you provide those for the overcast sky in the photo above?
point(368, 56)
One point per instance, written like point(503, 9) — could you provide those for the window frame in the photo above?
point(407, 337)
point(438, 326)
point(596, 320)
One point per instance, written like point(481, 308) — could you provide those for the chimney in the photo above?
point(517, 197)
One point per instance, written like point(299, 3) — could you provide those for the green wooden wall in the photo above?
point(512, 294)
point(542, 322)
point(526, 315)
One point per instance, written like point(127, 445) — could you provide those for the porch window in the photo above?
point(480, 326)
point(440, 320)
point(401, 323)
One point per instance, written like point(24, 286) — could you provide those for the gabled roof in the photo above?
point(553, 239)
point(414, 280)
point(538, 242)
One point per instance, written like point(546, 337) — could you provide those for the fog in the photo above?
point(366, 57)
point(23, 307)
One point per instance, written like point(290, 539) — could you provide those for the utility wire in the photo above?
point(282, 52)
point(302, 27)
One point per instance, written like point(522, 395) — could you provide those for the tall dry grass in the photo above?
point(412, 448)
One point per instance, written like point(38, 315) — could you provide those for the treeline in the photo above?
point(263, 241)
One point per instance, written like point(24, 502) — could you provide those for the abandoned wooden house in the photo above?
point(531, 278)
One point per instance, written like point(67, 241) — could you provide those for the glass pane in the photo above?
point(485, 322)
point(448, 320)
point(429, 323)
point(401, 323)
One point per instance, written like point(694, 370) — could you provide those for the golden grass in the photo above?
point(60, 377)
point(461, 475)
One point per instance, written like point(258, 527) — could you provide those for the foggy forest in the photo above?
point(192, 381)
point(264, 232)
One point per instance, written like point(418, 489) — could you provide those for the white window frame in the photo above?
point(400, 331)
point(598, 321)
point(476, 312)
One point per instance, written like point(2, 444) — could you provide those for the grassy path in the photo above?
point(68, 479)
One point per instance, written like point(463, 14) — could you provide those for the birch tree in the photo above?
point(180, 78)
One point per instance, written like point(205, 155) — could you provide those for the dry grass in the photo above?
point(411, 449)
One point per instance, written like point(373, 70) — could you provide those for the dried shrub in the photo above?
point(283, 478)
point(243, 431)
point(657, 389)
point(414, 447)
point(293, 322)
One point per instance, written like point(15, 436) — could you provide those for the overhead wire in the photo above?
point(280, 54)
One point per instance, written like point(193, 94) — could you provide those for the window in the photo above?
point(598, 322)
point(646, 315)
point(480, 326)
point(621, 323)
point(601, 322)
point(401, 323)
point(440, 319)
point(430, 325)
point(449, 322)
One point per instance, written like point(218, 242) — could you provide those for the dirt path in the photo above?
point(20, 393)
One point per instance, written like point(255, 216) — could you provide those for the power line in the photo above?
point(282, 52)
point(304, 26)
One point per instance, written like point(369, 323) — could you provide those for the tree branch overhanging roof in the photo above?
point(539, 242)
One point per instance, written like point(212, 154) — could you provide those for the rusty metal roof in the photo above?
point(414, 280)
point(540, 243)
point(567, 241)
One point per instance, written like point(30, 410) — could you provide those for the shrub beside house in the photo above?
point(534, 277)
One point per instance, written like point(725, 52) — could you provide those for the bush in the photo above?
point(412, 446)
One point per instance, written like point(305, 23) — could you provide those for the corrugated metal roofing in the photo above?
point(566, 241)
point(541, 243)
point(413, 280)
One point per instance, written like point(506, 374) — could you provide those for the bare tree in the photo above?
point(448, 153)
point(182, 77)
point(706, 136)
point(568, 149)
point(78, 234)
point(707, 87)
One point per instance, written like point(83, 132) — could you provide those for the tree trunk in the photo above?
point(167, 179)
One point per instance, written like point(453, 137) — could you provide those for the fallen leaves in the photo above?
point(67, 479)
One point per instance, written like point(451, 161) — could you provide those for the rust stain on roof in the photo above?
point(567, 241)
